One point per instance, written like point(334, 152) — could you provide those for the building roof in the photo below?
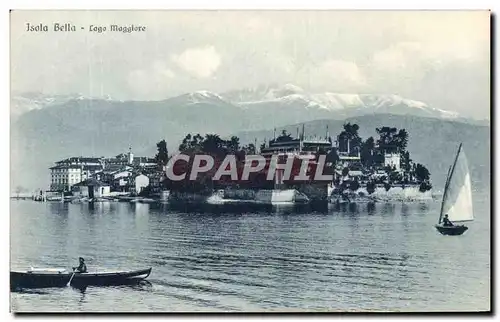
point(115, 168)
point(91, 182)
point(317, 141)
point(92, 167)
point(65, 166)
point(80, 159)
point(349, 157)
point(144, 159)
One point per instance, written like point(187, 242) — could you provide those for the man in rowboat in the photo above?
point(446, 221)
point(82, 268)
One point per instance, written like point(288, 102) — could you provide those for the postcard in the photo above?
point(250, 161)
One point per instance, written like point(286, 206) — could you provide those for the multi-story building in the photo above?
point(63, 177)
point(71, 171)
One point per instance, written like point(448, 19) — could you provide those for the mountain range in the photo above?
point(45, 128)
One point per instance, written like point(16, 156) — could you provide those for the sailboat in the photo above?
point(457, 196)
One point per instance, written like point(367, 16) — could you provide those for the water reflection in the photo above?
point(59, 208)
point(371, 208)
point(140, 209)
point(243, 208)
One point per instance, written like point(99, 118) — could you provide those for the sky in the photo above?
point(439, 57)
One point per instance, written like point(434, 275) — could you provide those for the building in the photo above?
point(117, 177)
point(138, 183)
point(114, 171)
point(63, 177)
point(91, 188)
point(393, 160)
point(128, 159)
point(156, 180)
point(144, 162)
point(285, 144)
point(71, 171)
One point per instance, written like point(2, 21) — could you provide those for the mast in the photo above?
point(444, 193)
point(450, 173)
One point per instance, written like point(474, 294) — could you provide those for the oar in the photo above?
point(69, 283)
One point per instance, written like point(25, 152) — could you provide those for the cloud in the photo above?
point(396, 57)
point(152, 81)
point(405, 66)
point(200, 62)
point(348, 71)
point(333, 75)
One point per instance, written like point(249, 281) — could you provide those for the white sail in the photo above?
point(457, 199)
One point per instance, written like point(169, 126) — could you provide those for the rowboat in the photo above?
point(53, 277)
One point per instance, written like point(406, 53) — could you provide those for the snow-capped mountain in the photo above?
point(286, 103)
point(21, 103)
point(200, 97)
point(340, 103)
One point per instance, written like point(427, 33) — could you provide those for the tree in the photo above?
point(332, 156)
point(162, 155)
point(421, 173)
point(370, 187)
point(367, 155)
point(262, 146)
point(233, 145)
point(401, 140)
point(406, 162)
point(406, 165)
point(354, 185)
point(249, 149)
point(186, 143)
point(395, 176)
point(345, 171)
point(425, 186)
point(349, 136)
point(212, 144)
point(391, 140)
point(386, 139)
point(284, 136)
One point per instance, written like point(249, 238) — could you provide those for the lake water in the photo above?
point(382, 257)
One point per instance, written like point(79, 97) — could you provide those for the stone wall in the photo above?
point(398, 193)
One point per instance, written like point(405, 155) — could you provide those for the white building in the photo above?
point(73, 170)
point(139, 183)
point(393, 160)
point(63, 177)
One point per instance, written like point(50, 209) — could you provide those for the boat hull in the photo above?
point(38, 280)
point(451, 230)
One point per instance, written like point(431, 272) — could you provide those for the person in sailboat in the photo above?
point(82, 268)
point(446, 221)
